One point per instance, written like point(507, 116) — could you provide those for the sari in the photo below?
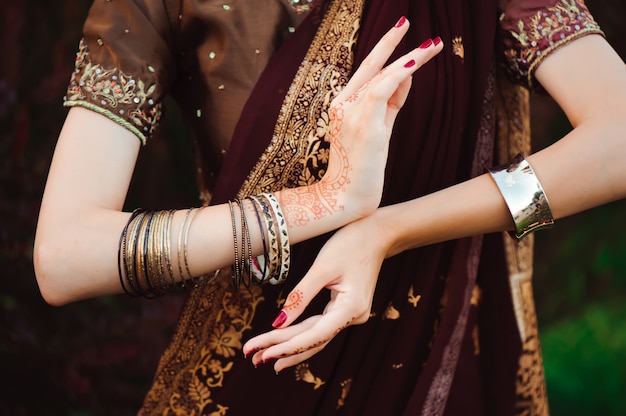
point(452, 328)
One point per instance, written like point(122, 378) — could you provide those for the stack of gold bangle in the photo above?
point(273, 265)
point(145, 253)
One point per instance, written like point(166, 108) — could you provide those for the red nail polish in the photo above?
point(437, 41)
point(410, 64)
point(401, 21)
point(280, 319)
point(251, 352)
point(426, 43)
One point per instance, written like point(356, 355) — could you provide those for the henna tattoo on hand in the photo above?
point(294, 300)
point(300, 205)
point(320, 343)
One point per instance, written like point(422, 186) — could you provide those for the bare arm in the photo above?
point(584, 169)
point(81, 216)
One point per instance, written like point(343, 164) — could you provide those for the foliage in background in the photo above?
point(97, 357)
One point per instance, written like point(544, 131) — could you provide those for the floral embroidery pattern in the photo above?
point(298, 153)
point(457, 47)
point(345, 390)
point(303, 373)
point(532, 39)
point(216, 317)
point(413, 298)
point(113, 94)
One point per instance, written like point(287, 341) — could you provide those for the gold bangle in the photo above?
point(235, 272)
point(168, 248)
point(272, 238)
point(282, 235)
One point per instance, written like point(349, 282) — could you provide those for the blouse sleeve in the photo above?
point(532, 29)
point(124, 64)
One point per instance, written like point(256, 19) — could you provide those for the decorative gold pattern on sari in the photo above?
point(391, 312)
point(298, 153)
point(513, 138)
point(413, 299)
point(537, 36)
point(345, 390)
point(213, 322)
point(115, 95)
point(457, 47)
point(303, 373)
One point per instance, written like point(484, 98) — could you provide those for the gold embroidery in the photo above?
point(542, 33)
point(215, 315)
point(476, 295)
point(225, 341)
point(221, 411)
point(280, 299)
point(112, 93)
point(391, 312)
point(298, 153)
point(413, 299)
point(476, 338)
point(457, 47)
point(199, 392)
point(303, 373)
point(345, 389)
point(397, 366)
point(201, 354)
point(514, 137)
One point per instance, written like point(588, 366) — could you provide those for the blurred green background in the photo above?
point(97, 357)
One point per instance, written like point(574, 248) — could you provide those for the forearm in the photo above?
point(77, 250)
point(583, 170)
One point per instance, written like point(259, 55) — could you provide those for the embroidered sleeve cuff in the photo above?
point(119, 97)
point(528, 40)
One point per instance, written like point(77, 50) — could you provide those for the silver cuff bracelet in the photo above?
point(524, 196)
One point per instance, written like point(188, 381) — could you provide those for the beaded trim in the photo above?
point(115, 95)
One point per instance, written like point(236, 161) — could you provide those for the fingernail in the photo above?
point(437, 41)
point(280, 319)
point(426, 43)
point(401, 21)
point(409, 64)
point(251, 352)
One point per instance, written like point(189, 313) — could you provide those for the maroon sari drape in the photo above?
point(432, 147)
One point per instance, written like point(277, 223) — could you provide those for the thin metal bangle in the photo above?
point(283, 239)
point(121, 249)
point(235, 266)
point(263, 275)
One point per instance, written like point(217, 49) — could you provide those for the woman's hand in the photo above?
point(361, 120)
point(351, 278)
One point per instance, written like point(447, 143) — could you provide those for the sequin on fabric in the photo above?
point(110, 92)
point(528, 41)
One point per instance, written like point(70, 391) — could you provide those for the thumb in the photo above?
point(298, 299)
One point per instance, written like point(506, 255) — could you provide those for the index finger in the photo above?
point(376, 59)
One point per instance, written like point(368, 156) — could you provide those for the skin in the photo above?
point(81, 218)
point(582, 170)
